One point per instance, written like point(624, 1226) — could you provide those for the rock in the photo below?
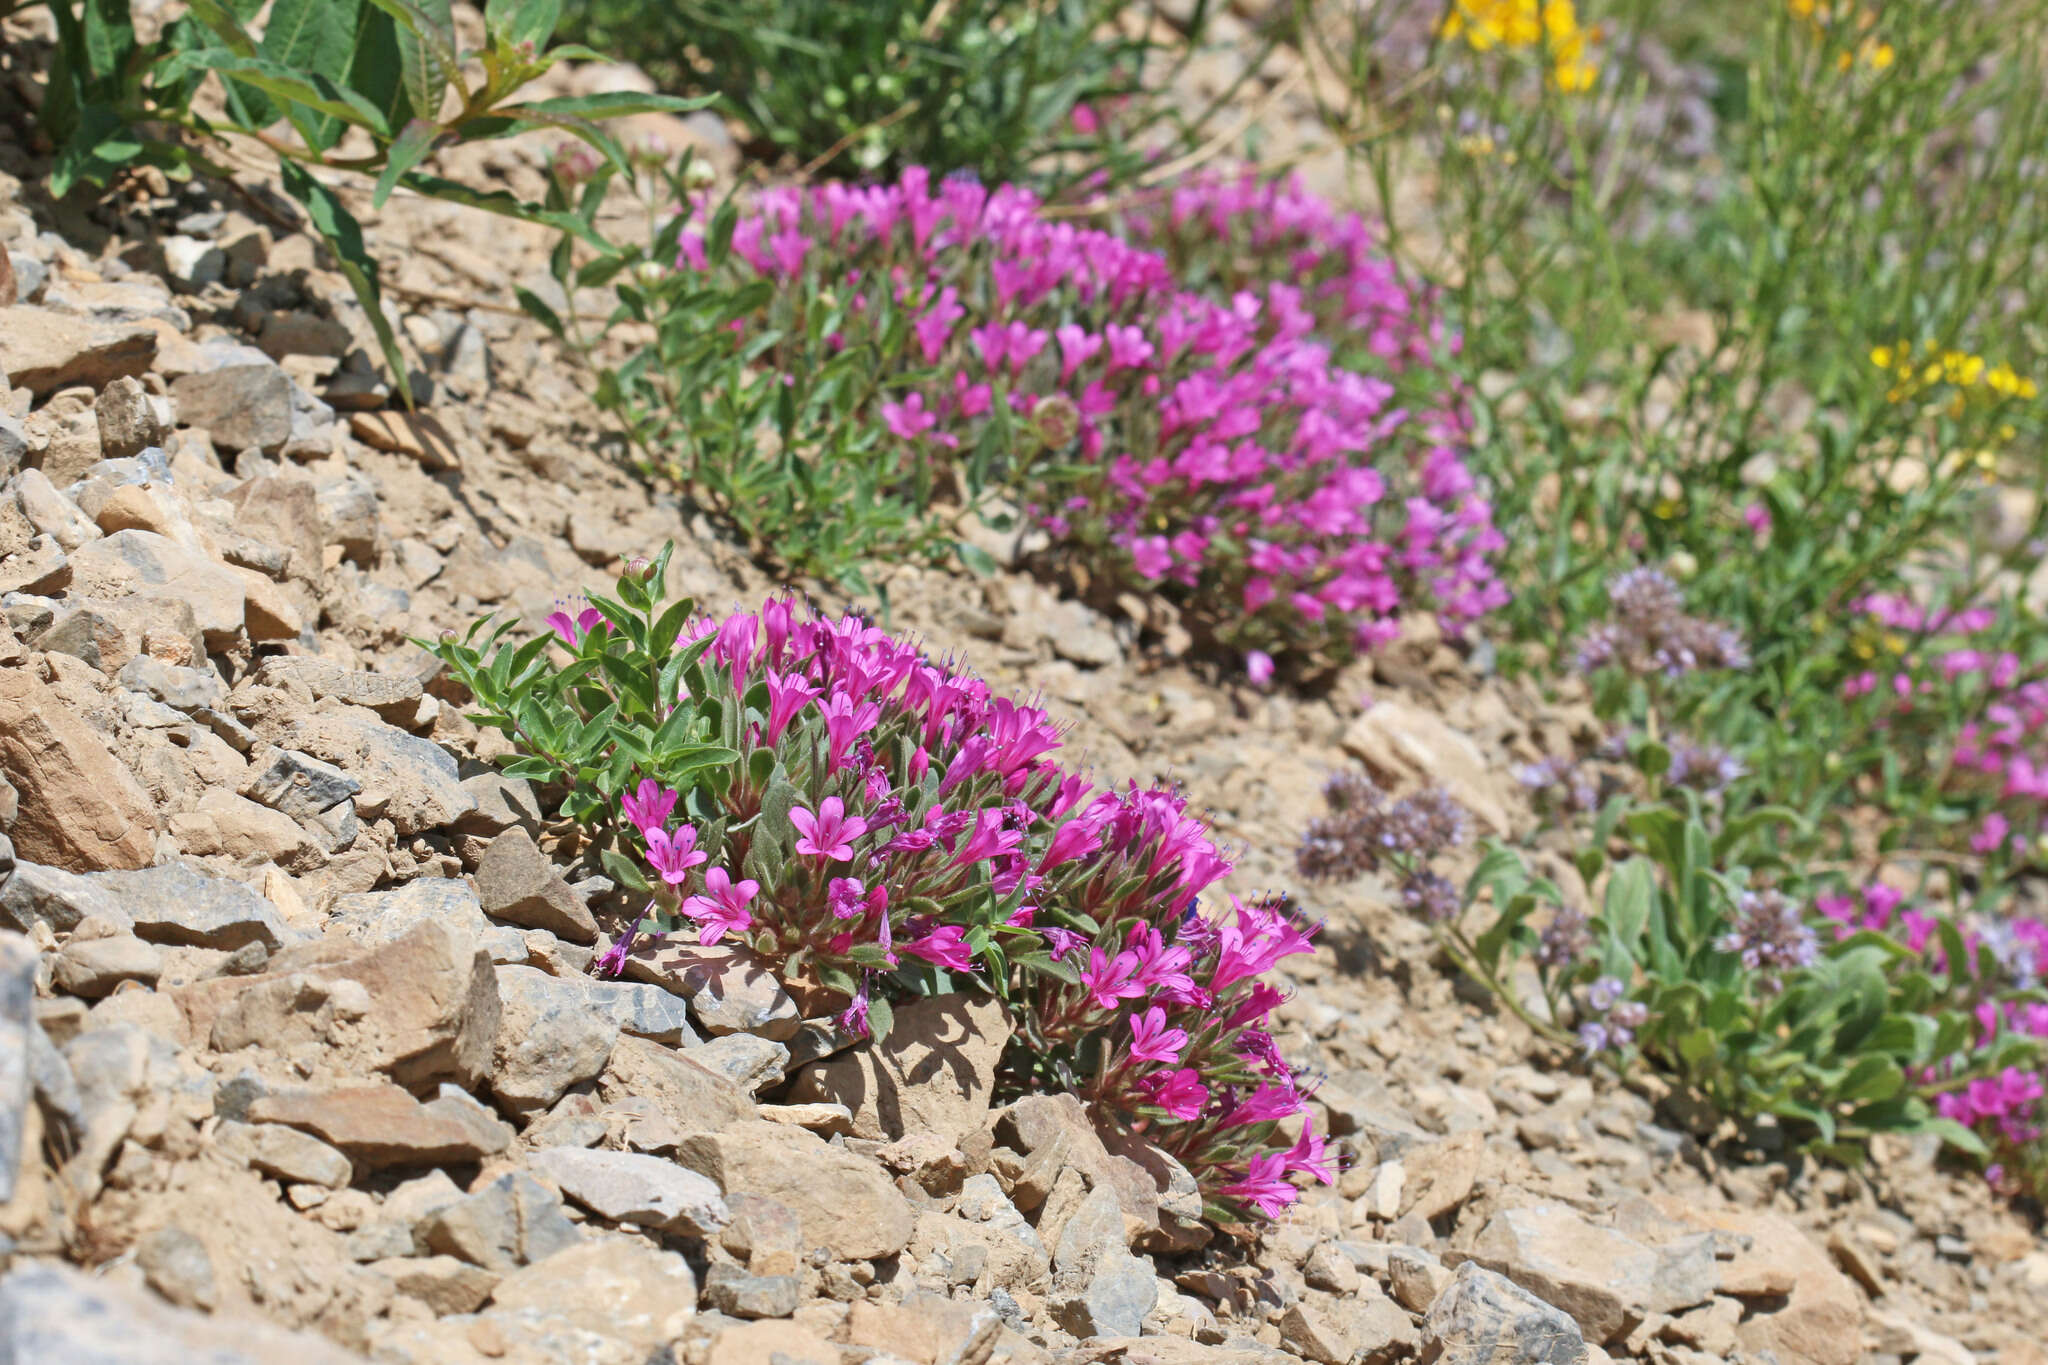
point(417, 434)
point(177, 1266)
point(35, 894)
point(610, 1285)
point(80, 809)
point(299, 785)
point(381, 916)
point(129, 419)
point(1112, 1300)
point(13, 444)
point(1438, 1178)
point(252, 835)
point(193, 263)
point(1358, 1102)
point(501, 803)
point(241, 405)
point(17, 1024)
point(37, 565)
point(52, 513)
point(444, 1284)
point(412, 781)
point(187, 689)
point(144, 562)
point(285, 1153)
point(691, 1098)
point(933, 1073)
point(548, 1039)
point(516, 883)
point(93, 967)
point(514, 1221)
point(925, 1328)
point(1487, 1319)
point(393, 696)
point(267, 614)
point(625, 1187)
point(1606, 1280)
point(729, 989)
point(381, 1125)
point(1403, 743)
point(1416, 1277)
point(753, 1064)
point(44, 351)
point(1797, 1304)
point(642, 1010)
point(52, 1313)
point(843, 1203)
point(176, 904)
point(732, 1290)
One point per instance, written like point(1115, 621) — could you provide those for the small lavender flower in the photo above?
point(1561, 781)
point(1430, 896)
point(1593, 1037)
point(1769, 933)
point(1565, 940)
point(1602, 994)
point(1363, 830)
point(1708, 769)
point(1651, 632)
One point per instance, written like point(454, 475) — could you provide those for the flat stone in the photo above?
point(611, 1285)
point(445, 1284)
point(642, 1010)
point(176, 1265)
point(382, 1125)
point(514, 1221)
point(93, 967)
point(501, 803)
point(131, 562)
point(176, 904)
point(417, 434)
point(187, 689)
point(933, 1073)
point(380, 692)
point(729, 989)
point(44, 351)
point(53, 1313)
point(1403, 743)
point(1605, 1279)
point(1485, 1319)
point(299, 785)
point(17, 1022)
point(843, 1202)
point(381, 916)
point(749, 1062)
point(79, 808)
point(626, 1187)
point(516, 883)
point(732, 1290)
point(411, 780)
point(548, 1039)
point(925, 1327)
point(1798, 1305)
point(291, 1156)
point(241, 405)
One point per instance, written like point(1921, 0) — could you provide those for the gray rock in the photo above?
point(187, 689)
point(129, 419)
point(286, 1153)
point(729, 989)
point(412, 780)
point(548, 1039)
point(17, 1022)
point(177, 904)
point(1114, 1300)
point(501, 803)
point(1484, 1318)
point(1604, 1278)
point(312, 427)
point(731, 1290)
point(52, 512)
point(626, 1187)
point(391, 695)
point(516, 882)
point(513, 1222)
point(13, 445)
point(37, 894)
point(642, 1010)
point(752, 1063)
point(241, 405)
point(381, 916)
point(1359, 1102)
point(93, 967)
point(300, 785)
point(54, 1315)
point(193, 264)
point(176, 1265)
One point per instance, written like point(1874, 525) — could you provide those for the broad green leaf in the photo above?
point(1631, 888)
point(314, 95)
point(109, 37)
point(523, 21)
point(429, 63)
point(412, 144)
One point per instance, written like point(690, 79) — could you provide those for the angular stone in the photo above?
point(843, 1203)
point(513, 1221)
point(130, 562)
point(691, 1098)
point(1112, 1298)
point(382, 1125)
point(421, 1008)
point(1797, 1304)
point(642, 1010)
point(93, 967)
point(35, 894)
point(43, 351)
point(933, 1073)
point(411, 780)
point(417, 434)
point(298, 784)
point(1403, 743)
point(1484, 1319)
point(17, 1024)
point(53, 1313)
point(51, 512)
point(610, 1285)
point(444, 1284)
point(241, 405)
point(177, 1266)
point(516, 883)
point(501, 803)
point(392, 695)
point(39, 565)
point(1606, 1280)
point(751, 1063)
point(729, 989)
point(291, 1156)
point(548, 1039)
point(284, 511)
point(80, 809)
point(733, 1291)
point(187, 689)
point(773, 1343)
point(927, 1328)
point(381, 916)
point(626, 1187)
point(128, 418)
point(176, 904)
point(1359, 1102)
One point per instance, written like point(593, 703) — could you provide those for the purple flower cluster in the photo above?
point(1207, 447)
point(1614, 1020)
point(1561, 782)
point(1364, 831)
point(889, 818)
point(1769, 932)
point(1651, 633)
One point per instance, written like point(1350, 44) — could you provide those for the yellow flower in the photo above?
point(1552, 25)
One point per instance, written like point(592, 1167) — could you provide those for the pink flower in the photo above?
point(1110, 980)
point(1258, 667)
point(1151, 556)
point(1180, 1093)
point(723, 909)
point(830, 833)
point(945, 946)
point(1153, 1041)
point(908, 419)
point(672, 855)
point(1264, 1185)
point(572, 631)
point(1309, 1157)
point(787, 695)
point(648, 806)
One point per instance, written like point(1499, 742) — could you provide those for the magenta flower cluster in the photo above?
point(1202, 443)
point(892, 827)
point(1957, 693)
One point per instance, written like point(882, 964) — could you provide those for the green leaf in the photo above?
point(623, 870)
point(413, 143)
point(313, 42)
point(1631, 889)
point(618, 104)
point(978, 560)
point(428, 61)
point(315, 93)
point(344, 237)
point(513, 22)
point(109, 36)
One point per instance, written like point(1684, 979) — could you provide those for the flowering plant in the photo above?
point(881, 825)
point(940, 341)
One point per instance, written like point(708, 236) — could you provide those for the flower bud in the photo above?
point(1682, 564)
point(1056, 421)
